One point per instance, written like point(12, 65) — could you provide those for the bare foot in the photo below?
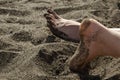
point(95, 38)
point(78, 61)
point(88, 48)
point(63, 28)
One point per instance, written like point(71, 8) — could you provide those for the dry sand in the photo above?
point(29, 51)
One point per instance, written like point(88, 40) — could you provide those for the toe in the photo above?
point(54, 13)
point(51, 22)
point(47, 16)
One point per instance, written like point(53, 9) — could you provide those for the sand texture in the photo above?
point(29, 51)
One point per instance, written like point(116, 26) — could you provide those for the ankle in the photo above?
point(91, 29)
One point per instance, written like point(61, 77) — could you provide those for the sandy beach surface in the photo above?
point(29, 51)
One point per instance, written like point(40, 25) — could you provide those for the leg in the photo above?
point(65, 29)
point(96, 40)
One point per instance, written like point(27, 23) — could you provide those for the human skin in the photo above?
point(95, 39)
